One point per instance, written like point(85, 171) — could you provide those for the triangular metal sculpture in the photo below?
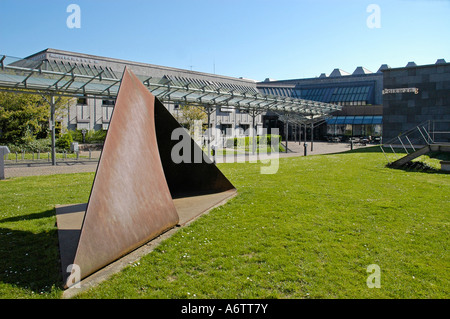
point(137, 183)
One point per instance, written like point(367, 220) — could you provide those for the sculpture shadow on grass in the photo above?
point(30, 260)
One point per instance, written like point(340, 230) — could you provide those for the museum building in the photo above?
point(359, 94)
point(374, 104)
point(417, 95)
point(93, 114)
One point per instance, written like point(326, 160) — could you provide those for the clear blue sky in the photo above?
point(280, 39)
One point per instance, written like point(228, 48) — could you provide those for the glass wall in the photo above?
point(341, 95)
point(357, 126)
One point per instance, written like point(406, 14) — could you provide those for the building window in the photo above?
point(108, 106)
point(244, 129)
point(224, 127)
point(107, 113)
point(82, 100)
point(82, 112)
point(109, 102)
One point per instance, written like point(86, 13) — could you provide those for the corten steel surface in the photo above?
point(130, 202)
point(138, 191)
point(186, 178)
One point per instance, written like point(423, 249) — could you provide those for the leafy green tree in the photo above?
point(25, 117)
point(189, 114)
point(22, 116)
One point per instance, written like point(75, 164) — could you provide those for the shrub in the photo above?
point(39, 145)
point(64, 141)
point(91, 136)
point(247, 141)
point(31, 145)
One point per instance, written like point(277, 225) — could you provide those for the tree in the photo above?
point(24, 117)
point(191, 113)
point(21, 116)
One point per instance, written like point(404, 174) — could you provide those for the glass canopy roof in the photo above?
point(324, 94)
point(76, 79)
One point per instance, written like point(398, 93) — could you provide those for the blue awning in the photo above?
point(358, 120)
point(377, 120)
point(355, 120)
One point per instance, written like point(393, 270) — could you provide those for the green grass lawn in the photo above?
point(309, 231)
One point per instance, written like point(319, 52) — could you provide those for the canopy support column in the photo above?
point(52, 123)
point(312, 134)
point(208, 113)
point(52, 103)
point(286, 131)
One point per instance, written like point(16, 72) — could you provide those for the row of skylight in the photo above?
point(210, 85)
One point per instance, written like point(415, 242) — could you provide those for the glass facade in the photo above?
point(355, 126)
point(347, 95)
point(361, 115)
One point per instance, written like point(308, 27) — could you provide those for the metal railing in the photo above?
point(426, 133)
point(31, 158)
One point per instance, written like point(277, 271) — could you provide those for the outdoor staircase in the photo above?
point(420, 140)
point(422, 151)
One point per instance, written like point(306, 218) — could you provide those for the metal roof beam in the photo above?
point(62, 77)
point(1, 62)
point(83, 87)
point(203, 91)
point(109, 87)
point(24, 81)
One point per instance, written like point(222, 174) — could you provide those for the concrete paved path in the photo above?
point(72, 166)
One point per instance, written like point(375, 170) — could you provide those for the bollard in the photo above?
point(351, 144)
point(3, 151)
point(89, 153)
point(305, 146)
point(2, 166)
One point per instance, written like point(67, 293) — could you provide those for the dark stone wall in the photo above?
point(404, 111)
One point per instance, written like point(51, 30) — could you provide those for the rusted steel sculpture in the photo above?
point(191, 177)
point(136, 183)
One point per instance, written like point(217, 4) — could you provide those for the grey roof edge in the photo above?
point(383, 67)
point(419, 66)
point(295, 82)
point(338, 73)
point(322, 76)
point(361, 70)
point(141, 64)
